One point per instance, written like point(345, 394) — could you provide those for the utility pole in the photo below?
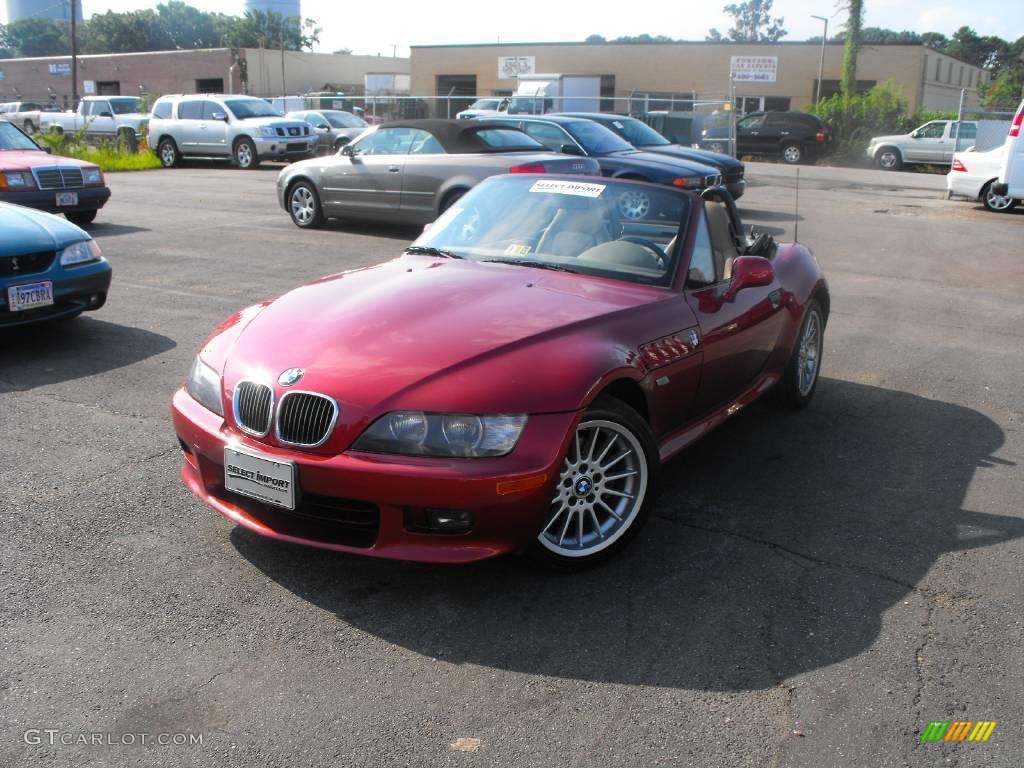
point(821, 57)
point(74, 54)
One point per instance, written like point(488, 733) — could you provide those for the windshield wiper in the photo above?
point(535, 264)
point(425, 250)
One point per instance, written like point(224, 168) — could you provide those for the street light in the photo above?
point(821, 58)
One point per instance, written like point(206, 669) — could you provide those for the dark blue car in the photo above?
point(617, 157)
point(644, 137)
point(49, 268)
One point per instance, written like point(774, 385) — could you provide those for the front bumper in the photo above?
point(363, 503)
point(89, 199)
point(75, 289)
point(277, 147)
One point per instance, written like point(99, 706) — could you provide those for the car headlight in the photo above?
point(16, 180)
point(268, 131)
point(92, 176)
point(80, 253)
point(442, 434)
point(204, 386)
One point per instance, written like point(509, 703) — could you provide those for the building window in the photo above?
point(949, 74)
point(461, 89)
point(210, 85)
point(108, 88)
point(938, 69)
point(608, 93)
point(830, 88)
point(961, 81)
point(776, 103)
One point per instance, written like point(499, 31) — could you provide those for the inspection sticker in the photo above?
point(568, 188)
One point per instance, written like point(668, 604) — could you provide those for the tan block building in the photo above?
point(217, 70)
point(669, 73)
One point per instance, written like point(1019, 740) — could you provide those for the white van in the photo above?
point(1011, 177)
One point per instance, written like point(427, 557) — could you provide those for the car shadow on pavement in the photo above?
point(778, 543)
point(392, 231)
point(106, 229)
point(65, 350)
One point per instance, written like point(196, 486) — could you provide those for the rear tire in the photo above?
point(168, 153)
point(451, 199)
point(996, 203)
point(605, 490)
point(30, 127)
point(792, 154)
point(244, 156)
point(341, 142)
point(717, 146)
point(889, 159)
point(800, 378)
point(81, 218)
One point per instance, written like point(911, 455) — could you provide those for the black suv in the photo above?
point(795, 137)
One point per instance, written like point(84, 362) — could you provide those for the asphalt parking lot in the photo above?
point(813, 590)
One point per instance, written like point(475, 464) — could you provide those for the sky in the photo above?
point(412, 22)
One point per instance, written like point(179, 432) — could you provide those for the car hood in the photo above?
point(702, 156)
point(657, 161)
point(273, 122)
point(894, 138)
point(398, 334)
point(29, 231)
point(13, 160)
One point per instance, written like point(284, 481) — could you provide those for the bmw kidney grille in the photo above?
point(305, 418)
point(254, 407)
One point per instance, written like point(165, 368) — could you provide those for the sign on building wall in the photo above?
point(60, 70)
point(88, 87)
point(511, 67)
point(1, 74)
point(754, 69)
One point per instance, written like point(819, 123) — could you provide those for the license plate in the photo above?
point(259, 477)
point(22, 297)
point(67, 198)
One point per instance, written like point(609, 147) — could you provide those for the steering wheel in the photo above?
point(650, 245)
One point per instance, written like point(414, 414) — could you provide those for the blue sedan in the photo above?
point(49, 268)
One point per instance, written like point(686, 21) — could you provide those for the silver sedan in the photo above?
point(333, 127)
point(411, 171)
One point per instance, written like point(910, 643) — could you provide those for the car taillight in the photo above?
point(1015, 126)
point(528, 168)
point(958, 166)
point(820, 136)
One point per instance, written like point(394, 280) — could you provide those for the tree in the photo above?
point(848, 82)
point(124, 33)
point(186, 27)
point(753, 24)
point(595, 39)
point(38, 37)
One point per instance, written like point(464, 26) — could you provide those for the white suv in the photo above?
point(243, 129)
point(932, 143)
point(1011, 176)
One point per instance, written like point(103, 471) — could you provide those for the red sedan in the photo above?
point(514, 380)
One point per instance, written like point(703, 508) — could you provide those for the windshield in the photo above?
point(638, 133)
point(243, 109)
point(126, 106)
point(485, 104)
point(12, 138)
point(596, 139)
point(606, 228)
point(344, 120)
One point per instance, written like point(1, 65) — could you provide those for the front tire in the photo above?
point(996, 203)
point(168, 153)
point(605, 489)
point(244, 154)
point(800, 378)
point(304, 205)
point(81, 218)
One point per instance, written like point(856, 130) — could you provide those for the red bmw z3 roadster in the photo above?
point(512, 381)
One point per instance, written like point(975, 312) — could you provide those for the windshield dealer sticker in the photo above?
point(517, 249)
point(568, 188)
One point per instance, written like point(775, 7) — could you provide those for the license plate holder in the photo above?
point(30, 296)
point(65, 199)
point(260, 477)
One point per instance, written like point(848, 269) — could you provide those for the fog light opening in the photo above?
point(440, 521)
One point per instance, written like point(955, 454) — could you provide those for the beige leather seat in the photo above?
point(573, 231)
point(723, 241)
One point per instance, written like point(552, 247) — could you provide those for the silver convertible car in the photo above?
point(412, 171)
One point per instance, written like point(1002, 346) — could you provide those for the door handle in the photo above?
point(393, 169)
point(755, 133)
point(784, 133)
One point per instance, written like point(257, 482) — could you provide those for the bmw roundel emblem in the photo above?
point(583, 486)
point(290, 376)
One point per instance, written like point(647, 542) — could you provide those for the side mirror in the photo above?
point(106, 114)
point(219, 116)
point(915, 135)
point(47, 150)
point(749, 272)
point(324, 128)
point(570, 149)
point(348, 150)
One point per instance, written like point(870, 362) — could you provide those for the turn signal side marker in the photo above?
point(505, 487)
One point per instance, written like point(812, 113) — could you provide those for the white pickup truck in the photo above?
point(104, 117)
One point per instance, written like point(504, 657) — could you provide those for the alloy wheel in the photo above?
point(634, 204)
point(792, 154)
point(809, 354)
point(303, 205)
point(887, 160)
point(168, 155)
point(996, 202)
point(243, 155)
point(601, 489)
